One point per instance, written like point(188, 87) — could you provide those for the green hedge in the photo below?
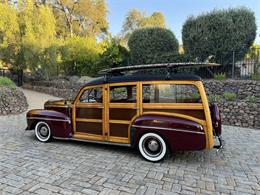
point(152, 45)
point(219, 33)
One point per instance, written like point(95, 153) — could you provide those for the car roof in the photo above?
point(133, 78)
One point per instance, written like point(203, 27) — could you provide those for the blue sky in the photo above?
point(175, 11)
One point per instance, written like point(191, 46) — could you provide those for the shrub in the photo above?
point(4, 81)
point(219, 33)
point(229, 96)
point(255, 77)
point(220, 76)
point(195, 95)
point(152, 45)
point(214, 98)
point(253, 99)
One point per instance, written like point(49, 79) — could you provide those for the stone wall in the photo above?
point(60, 88)
point(244, 89)
point(12, 101)
point(244, 111)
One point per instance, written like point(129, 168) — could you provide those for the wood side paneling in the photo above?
point(119, 130)
point(92, 128)
point(195, 113)
point(121, 114)
point(89, 113)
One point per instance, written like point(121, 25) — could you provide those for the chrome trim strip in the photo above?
point(92, 141)
point(164, 128)
point(56, 106)
point(49, 119)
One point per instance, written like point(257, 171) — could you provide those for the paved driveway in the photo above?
point(63, 167)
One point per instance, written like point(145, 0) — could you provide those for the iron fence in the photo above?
point(232, 66)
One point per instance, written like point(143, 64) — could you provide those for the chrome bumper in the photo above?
point(219, 146)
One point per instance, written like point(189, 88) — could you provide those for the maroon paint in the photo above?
point(175, 139)
point(58, 105)
point(58, 128)
point(216, 119)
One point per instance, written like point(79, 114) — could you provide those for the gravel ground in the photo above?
point(65, 167)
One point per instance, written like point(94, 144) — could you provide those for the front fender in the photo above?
point(59, 123)
point(179, 133)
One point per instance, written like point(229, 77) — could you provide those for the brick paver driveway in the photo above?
point(63, 167)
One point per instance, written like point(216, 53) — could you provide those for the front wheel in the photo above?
point(152, 147)
point(42, 131)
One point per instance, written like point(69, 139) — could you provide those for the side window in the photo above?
point(170, 93)
point(123, 94)
point(188, 94)
point(93, 95)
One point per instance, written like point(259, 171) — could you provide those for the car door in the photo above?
point(88, 114)
point(123, 106)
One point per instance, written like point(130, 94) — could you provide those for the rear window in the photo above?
point(170, 93)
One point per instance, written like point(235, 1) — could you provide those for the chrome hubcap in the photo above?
point(44, 131)
point(153, 145)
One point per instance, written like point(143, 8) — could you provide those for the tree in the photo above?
point(37, 24)
point(80, 56)
point(81, 18)
point(152, 45)
point(31, 30)
point(136, 19)
point(254, 52)
point(219, 33)
point(114, 54)
point(9, 34)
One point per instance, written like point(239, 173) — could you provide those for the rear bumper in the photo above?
point(220, 144)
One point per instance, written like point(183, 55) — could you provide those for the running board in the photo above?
point(92, 141)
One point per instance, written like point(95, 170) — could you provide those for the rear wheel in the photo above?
point(42, 131)
point(152, 147)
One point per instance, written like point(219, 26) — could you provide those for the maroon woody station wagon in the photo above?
point(154, 114)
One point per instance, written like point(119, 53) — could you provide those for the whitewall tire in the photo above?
point(152, 147)
point(42, 131)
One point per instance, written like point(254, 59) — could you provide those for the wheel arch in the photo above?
point(139, 134)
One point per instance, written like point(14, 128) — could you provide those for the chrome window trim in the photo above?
point(49, 119)
point(171, 129)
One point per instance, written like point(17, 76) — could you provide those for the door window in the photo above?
point(94, 95)
point(123, 94)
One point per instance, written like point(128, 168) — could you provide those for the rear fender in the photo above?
point(59, 123)
point(179, 133)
